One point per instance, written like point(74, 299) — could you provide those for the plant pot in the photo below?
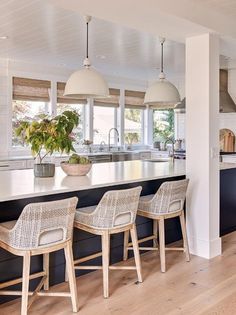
point(44, 170)
point(76, 169)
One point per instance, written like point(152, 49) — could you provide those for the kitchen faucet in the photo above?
point(109, 137)
point(173, 149)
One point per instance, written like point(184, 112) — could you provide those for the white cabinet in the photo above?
point(229, 158)
point(30, 163)
point(145, 155)
point(4, 165)
point(17, 164)
point(159, 154)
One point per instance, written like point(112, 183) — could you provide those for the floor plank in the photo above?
point(198, 287)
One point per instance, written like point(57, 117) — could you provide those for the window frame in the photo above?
point(119, 115)
point(76, 145)
point(115, 123)
point(142, 127)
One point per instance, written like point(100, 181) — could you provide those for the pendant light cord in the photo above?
point(162, 58)
point(87, 47)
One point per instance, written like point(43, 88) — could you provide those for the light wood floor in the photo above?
point(206, 287)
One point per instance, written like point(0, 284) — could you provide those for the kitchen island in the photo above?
point(18, 188)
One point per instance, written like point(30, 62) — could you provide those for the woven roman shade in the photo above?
point(111, 101)
point(67, 100)
point(25, 89)
point(134, 99)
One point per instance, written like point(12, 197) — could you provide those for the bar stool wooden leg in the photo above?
point(134, 239)
point(46, 269)
point(126, 242)
point(105, 262)
point(184, 233)
point(25, 283)
point(71, 276)
point(155, 232)
point(66, 275)
point(162, 244)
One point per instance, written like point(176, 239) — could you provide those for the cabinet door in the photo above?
point(30, 163)
point(145, 155)
point(17, 164)
point(4, 165)
point(60, 159)
point(229, 159)
point(157, 155)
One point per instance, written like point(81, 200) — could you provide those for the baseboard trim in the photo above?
point(205, 248)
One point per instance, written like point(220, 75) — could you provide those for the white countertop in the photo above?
point(19, 184)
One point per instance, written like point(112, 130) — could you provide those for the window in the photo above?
point(134, 113)
point(66, 103)
point(163, 124)
point(133, 126)
point(30, 99)
point(104, 118)
point(78, 132)
point(27, 110)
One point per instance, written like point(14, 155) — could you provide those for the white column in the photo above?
point(148, 126)
point(121, 116)
point(89, 120)
point(202, 144)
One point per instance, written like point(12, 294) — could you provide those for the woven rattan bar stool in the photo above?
point(168, 202)
point(42, 228)
point(115, 213)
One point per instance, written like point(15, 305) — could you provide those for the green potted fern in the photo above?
point(46, 136)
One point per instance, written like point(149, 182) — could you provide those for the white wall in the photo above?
point(4, 107)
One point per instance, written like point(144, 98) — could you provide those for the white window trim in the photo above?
point(115, 124)
point(142, 142)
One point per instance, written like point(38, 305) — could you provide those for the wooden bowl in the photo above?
point(76, 169)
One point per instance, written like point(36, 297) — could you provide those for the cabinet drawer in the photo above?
point(4, 165)
point(145, 155)
point(17, 165)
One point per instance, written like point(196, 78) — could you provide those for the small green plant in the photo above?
point(77, 159)
point(49, 135)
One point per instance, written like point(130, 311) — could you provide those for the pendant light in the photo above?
point(87, 82)
point(162, 94)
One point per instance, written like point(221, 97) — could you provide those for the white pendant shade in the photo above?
point(86, 83)
point(162, 94)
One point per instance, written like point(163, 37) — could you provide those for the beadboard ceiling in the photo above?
point(49, 35)
point(40, 31)
point(225, 7)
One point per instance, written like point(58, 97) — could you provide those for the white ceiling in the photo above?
point(225, 7)
point(174, 19)
point(52, 32)
point(41, 32)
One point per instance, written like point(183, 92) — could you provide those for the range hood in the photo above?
point(227, 104)
point(180, 108)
